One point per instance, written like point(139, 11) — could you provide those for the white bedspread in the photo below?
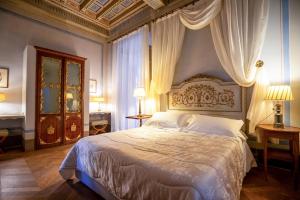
point(152, 163)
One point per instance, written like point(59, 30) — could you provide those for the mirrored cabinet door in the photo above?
point(73, 100)
point(51, 85)
point(50, 92)
point(73, 87)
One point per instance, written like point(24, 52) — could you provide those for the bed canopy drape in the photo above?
point(238, 30)
point(167, 39)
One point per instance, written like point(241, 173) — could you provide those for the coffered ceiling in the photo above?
point(105, 13)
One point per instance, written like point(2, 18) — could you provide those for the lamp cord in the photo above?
point(266, 117)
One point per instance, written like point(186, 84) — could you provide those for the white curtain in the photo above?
point(238, 32)
point(201, 14)
point(167, 39)
point(261, 110)
point(130, 69)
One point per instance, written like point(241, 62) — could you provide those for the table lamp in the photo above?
point(279, 93)
point(2, 97)
point(98, 100)
point(139, 93)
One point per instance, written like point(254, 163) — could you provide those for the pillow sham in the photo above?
point(215, 125)
point(168, 119)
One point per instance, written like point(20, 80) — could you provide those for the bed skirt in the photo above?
point(93, 185)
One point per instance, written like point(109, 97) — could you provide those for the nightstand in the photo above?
point(100, 122)
point(139, 117)
point(291, 134)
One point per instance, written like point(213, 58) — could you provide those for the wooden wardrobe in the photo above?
point(59, 98)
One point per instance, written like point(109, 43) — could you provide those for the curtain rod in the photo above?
point(152, 20)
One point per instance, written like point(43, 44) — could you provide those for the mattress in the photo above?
point(155, 163)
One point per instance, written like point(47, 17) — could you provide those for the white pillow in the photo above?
point(168, 119)
point(215, 125)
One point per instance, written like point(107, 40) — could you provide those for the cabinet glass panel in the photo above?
point(73, 74)
point(73, 87)
point(73, 100)
point(50, 85)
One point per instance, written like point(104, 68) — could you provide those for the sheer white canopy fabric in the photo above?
point(261, 110)
point(238, 31)
point(201, 14)
point(130, 69)
point(238, 34)
point(167, 39)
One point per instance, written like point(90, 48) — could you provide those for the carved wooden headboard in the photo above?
point(210, 96)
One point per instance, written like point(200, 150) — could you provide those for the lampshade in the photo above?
point(139, 92)
point(2, 97)
point(279, 93)
point(97, 99)
point(69, 96)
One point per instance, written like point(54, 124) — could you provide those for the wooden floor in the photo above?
point(35, 176)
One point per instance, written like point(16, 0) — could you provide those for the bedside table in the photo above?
point(267, 131)
point(100, 122)
point(139, 117)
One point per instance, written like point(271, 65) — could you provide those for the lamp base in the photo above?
point(278, 117)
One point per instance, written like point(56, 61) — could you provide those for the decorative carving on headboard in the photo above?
point(204, 93)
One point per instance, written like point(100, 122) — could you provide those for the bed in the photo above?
point(174, 155)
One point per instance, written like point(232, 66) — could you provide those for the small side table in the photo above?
point(288, 133)
point(139, 117)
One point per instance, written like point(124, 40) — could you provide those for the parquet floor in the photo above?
point(34, 176)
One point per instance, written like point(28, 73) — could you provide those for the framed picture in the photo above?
point(93, 86)
point(4, 77)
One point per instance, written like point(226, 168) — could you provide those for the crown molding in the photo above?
point(46, 13)
point(145, 16)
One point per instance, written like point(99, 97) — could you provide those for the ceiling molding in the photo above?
point(144, 17)
point(69, 23)
point(100, 20)
point(65, 15)
point(138, 7)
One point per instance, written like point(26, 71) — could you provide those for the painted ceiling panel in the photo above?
point(95, 7)
point(105, 13)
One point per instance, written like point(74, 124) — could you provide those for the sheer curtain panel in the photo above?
point(130, 69)
point(167, 39)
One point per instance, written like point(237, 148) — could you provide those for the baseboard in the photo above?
point(28, 145)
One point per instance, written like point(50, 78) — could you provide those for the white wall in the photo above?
point(272, 51)
point(16, 32)
point(295, 60)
